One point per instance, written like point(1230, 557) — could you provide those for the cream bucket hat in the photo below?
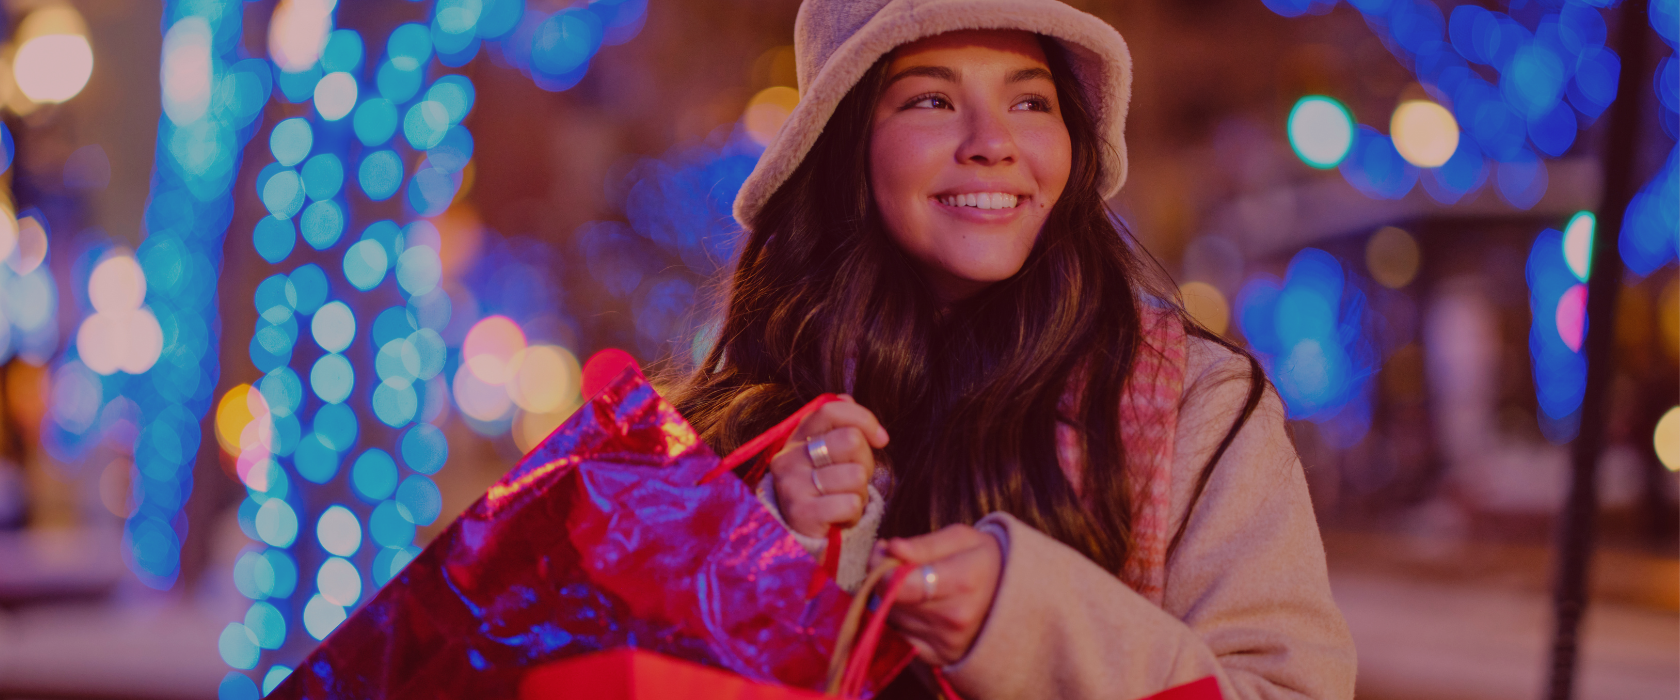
point(836, 41)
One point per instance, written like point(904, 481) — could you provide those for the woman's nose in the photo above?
point(989, 140)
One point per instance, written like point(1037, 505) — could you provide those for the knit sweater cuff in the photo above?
point(856, 542)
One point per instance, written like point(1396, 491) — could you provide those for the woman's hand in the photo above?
point(964, 565)
point(812, 498)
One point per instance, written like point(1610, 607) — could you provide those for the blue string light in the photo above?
point(327, 541)
point(1312, 330)
point(1518, 89)
point(1522, 91)
point(188, 211)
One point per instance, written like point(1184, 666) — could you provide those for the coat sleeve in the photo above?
point(1247, 597)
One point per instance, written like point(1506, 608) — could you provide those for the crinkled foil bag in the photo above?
point(602, 537)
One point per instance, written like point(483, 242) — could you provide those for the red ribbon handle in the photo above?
point(770, 442)
point(767, 445)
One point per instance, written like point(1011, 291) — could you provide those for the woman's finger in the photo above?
point(837, 509)
point(841, 414)
point(936, 545)
point(839, 478)
point(845, 444)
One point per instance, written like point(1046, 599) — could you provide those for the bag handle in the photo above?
point(768, 443)
point(766, 446)
point(848, 666)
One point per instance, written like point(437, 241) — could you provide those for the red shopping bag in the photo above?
point(633, 674)
point(609, 535)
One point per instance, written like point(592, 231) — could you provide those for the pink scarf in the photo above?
point(1148, 426)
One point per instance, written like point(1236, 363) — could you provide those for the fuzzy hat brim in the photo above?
point(837, 41)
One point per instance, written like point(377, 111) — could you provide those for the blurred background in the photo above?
point(287, 284)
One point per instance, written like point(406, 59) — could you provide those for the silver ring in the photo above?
point(820, 490)
point(817, 449)
point(930, 581)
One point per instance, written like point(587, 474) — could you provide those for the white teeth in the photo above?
point(982, 200)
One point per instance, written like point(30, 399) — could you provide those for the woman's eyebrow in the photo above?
point(1026, 74)
point(935, 72)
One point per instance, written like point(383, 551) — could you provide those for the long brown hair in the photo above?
point(822, 300)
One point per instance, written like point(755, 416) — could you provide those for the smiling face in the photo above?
point(968, 154)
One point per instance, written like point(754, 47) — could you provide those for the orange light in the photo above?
point(234, 414)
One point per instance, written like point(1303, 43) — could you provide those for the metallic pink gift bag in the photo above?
point(607, 535)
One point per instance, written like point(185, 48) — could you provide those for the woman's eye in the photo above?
point(929, 102)
point(1034, 104)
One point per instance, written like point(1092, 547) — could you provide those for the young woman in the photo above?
point(1099, 496)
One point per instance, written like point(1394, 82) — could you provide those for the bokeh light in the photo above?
point(121, 334)
point(1310, 330)
point(365, 264)
point(1425, 133)
point(235, 412)
point(1207, 305)
point(266, 624)
point(238, 646)
point(380, 175)
point(1666, 439)
point(277, 523)
point(332, 378)
point(478, 399)
point(418, 500)
point(425, 449)
point(334, 327)
point(1556, 298)
point(374, 475)
point(187, 70)
point(389, 527)
point(1572, 316)
point(1577, 243)
point(766, 112)
point(54, 59)
point(489, 349)
point(297, 33)
point(275, 675)
point(1392, 256)
point(1320, 131)
point(545, 379)
point(338, 531)
point(335, 96)
point(321, 617)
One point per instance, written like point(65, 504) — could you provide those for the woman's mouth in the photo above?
point(981, 200)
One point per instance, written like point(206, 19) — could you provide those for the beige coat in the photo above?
point(1247, 598)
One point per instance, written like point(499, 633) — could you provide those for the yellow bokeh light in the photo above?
point(530, 428)
point(546, 378)
point(298, 31)
point(234, 413)
point(767, 110)
point(490, 347)
point(1424, 132)
point(1667, 439)
point(54, 59)
point(1392, 256)
point(1207, 305)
